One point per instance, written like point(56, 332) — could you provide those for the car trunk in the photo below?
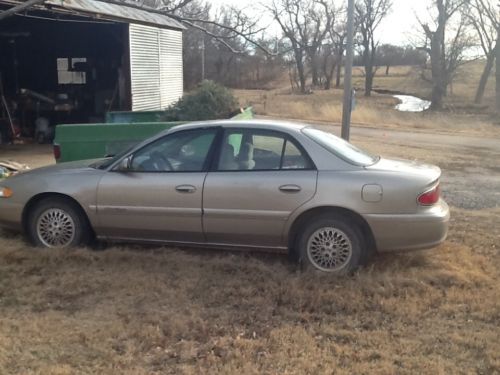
point(428, 173)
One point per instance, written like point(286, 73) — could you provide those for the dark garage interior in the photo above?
point(60, 69)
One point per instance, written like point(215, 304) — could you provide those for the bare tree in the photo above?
point(321, 17)
point(341, 35)
point(389, 55)
point(333, 48)
point(446, 53)
point(291, 16)
point(262, 67)
point(485, 19)
point(206, 58)
point(369, 14)
point(305, 25)
point(330, 60)
point(241, 25)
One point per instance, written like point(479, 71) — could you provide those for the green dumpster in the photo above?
point(246, 114)
point(126, 117)
point(89, 141)
point(122, 117)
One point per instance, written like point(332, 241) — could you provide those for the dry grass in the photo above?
point(140, 310)
point(378, 110)
point(461, 93)
point(136, 310)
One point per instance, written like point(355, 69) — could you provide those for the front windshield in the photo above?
point(109, 161)
point(340, 147)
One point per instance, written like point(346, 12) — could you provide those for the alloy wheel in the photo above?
point(55, 228)
point(329, 249)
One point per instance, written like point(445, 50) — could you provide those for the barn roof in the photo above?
point(104, 11)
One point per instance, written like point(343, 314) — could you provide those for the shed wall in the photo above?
point(155, 67)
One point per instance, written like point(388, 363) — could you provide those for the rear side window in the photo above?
point(260, 150)
point(293, 158)
point(267, 150)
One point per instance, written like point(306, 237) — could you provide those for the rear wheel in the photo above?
point(331, 243)
point(57, 222)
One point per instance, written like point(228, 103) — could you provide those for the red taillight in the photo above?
point(430, 197)
point(57, 151)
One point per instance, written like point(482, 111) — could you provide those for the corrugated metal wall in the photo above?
point(155, 67)
point(171, 73)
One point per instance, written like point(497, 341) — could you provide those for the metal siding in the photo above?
point(144, 68)
point(171, 73)
point(155, 67)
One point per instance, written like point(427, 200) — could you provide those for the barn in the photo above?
point(71, 61)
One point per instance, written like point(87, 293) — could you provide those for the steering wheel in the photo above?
point(160, 162)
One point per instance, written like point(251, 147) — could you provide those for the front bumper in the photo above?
point(422, 230)
point(10, 214)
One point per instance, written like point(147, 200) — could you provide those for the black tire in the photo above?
point(63, 211)
point(345, 252)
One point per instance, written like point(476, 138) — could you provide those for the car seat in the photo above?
point(227, 161)
point(245, 157)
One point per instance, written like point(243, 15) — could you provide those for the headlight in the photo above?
point(5, 192)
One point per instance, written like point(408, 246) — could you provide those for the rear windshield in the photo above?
point(341, 148)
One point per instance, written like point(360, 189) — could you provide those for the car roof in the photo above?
point(279, 125)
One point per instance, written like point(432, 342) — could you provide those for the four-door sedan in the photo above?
point(238, 184)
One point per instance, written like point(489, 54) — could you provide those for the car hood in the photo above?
point(408, 167)
point(61, 168)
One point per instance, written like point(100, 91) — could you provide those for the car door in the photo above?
point(260, 178)
point(159, 194)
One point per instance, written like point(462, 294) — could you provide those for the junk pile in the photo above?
point(10, 168)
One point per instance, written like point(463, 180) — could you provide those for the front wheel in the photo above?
point(55, 222)
point(331, 244)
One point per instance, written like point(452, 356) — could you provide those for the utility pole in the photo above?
point(347, 105)
point(497, 74)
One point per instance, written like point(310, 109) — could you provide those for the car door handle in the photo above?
point(290, 188)
point(185, 188)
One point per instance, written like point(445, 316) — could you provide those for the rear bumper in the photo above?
point(410, 231)
point(10, 214)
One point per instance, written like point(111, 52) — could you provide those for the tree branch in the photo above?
point(19, 8)
point(192, 22)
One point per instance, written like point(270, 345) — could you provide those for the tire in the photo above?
point(331, 243)
point(58, 222)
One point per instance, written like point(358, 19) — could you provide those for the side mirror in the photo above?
point(124, 165)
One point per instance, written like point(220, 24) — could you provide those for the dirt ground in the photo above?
point(138, 310)
point(34, 155)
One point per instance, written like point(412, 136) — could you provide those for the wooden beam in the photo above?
point(19, 8)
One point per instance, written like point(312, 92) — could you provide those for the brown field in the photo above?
point(461, 115)
point(145, 310)
point(138, 311)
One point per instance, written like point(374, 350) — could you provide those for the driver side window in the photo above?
point(185, 151)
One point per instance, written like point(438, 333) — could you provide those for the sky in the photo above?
point(397, 28)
